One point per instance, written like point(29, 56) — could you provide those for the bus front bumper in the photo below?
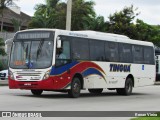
point(47, 84)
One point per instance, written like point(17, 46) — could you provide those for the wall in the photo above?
point(6, 35)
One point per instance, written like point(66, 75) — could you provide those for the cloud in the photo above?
point(27, 6)
point(147, 8)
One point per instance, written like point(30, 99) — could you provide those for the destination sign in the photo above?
point(33, 35)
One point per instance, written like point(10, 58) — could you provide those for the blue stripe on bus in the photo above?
point(60, 70)
point(91, 71)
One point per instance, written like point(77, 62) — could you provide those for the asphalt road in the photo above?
point(143, 99)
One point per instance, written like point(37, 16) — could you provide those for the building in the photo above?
point(13, 16)
point(13, 20)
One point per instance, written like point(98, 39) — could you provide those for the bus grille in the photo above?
point(23, 76)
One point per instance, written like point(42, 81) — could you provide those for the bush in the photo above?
point(2, 51)
point(3, 64)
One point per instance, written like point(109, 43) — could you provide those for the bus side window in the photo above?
point(126, 53)
point(66, 49)
point(137, 54)
point(113, 51)
point(148, 55)
point(80, 49)
point(63, 53)
point(97, 50)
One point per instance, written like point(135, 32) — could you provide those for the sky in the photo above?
point(149, 9)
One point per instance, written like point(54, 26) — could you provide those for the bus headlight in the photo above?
point(46, 75)
point(11, 75)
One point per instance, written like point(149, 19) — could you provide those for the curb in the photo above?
point(3, 82)
point(157, 83)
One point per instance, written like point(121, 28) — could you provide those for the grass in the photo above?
point(148, 117)
point(3, 85)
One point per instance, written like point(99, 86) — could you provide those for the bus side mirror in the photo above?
point(59, 42)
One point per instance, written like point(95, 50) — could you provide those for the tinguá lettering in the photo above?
point(120, 68)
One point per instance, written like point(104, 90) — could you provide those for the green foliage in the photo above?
point(2, 51)
point(83, 14)
point(99, 24)
point(49, 15)
point(53, 15)
point(122, 22)
point(16, 24)
point(4, 3)
point(3, 64)
point(148, 117)
point(147, 32)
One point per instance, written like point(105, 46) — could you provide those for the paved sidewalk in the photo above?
point(157, 83)
point(3, 82)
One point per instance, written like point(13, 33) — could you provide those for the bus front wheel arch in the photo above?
point(127, 90)
point(74, 92)
point(78, 75)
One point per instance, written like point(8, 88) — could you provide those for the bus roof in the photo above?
point(96, 35)
point(102, 33)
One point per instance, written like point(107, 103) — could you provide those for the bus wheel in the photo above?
point(74, 92)
point(95, 91)
point(37, 92)
point(127, 90)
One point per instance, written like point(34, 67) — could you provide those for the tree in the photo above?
point(53, 15)
point(154, 34)
point(144, 31)
point(2, 51)
point(99, 24)
point(122, 22)
point(49, 15)
point(3, 5)
point(83, 14)
point(16, 24)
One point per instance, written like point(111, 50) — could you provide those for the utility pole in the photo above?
point(69, 14)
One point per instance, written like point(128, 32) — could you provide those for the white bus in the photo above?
point(157, 68)
point(70, 61)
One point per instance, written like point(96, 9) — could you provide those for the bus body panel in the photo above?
point(96, 74)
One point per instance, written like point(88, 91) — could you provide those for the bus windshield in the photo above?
point(31, 54)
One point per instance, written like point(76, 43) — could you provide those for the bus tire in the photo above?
point(36, 92)
point(95, 91)
point(127, 90)
point(74, 92)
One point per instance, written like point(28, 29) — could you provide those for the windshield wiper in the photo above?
point(25, 50)
point(39, 48)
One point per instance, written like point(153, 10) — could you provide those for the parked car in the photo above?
point(4, 74)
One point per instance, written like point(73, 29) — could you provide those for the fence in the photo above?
point(6, 35)
point(3, 62)
point(4, 59)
